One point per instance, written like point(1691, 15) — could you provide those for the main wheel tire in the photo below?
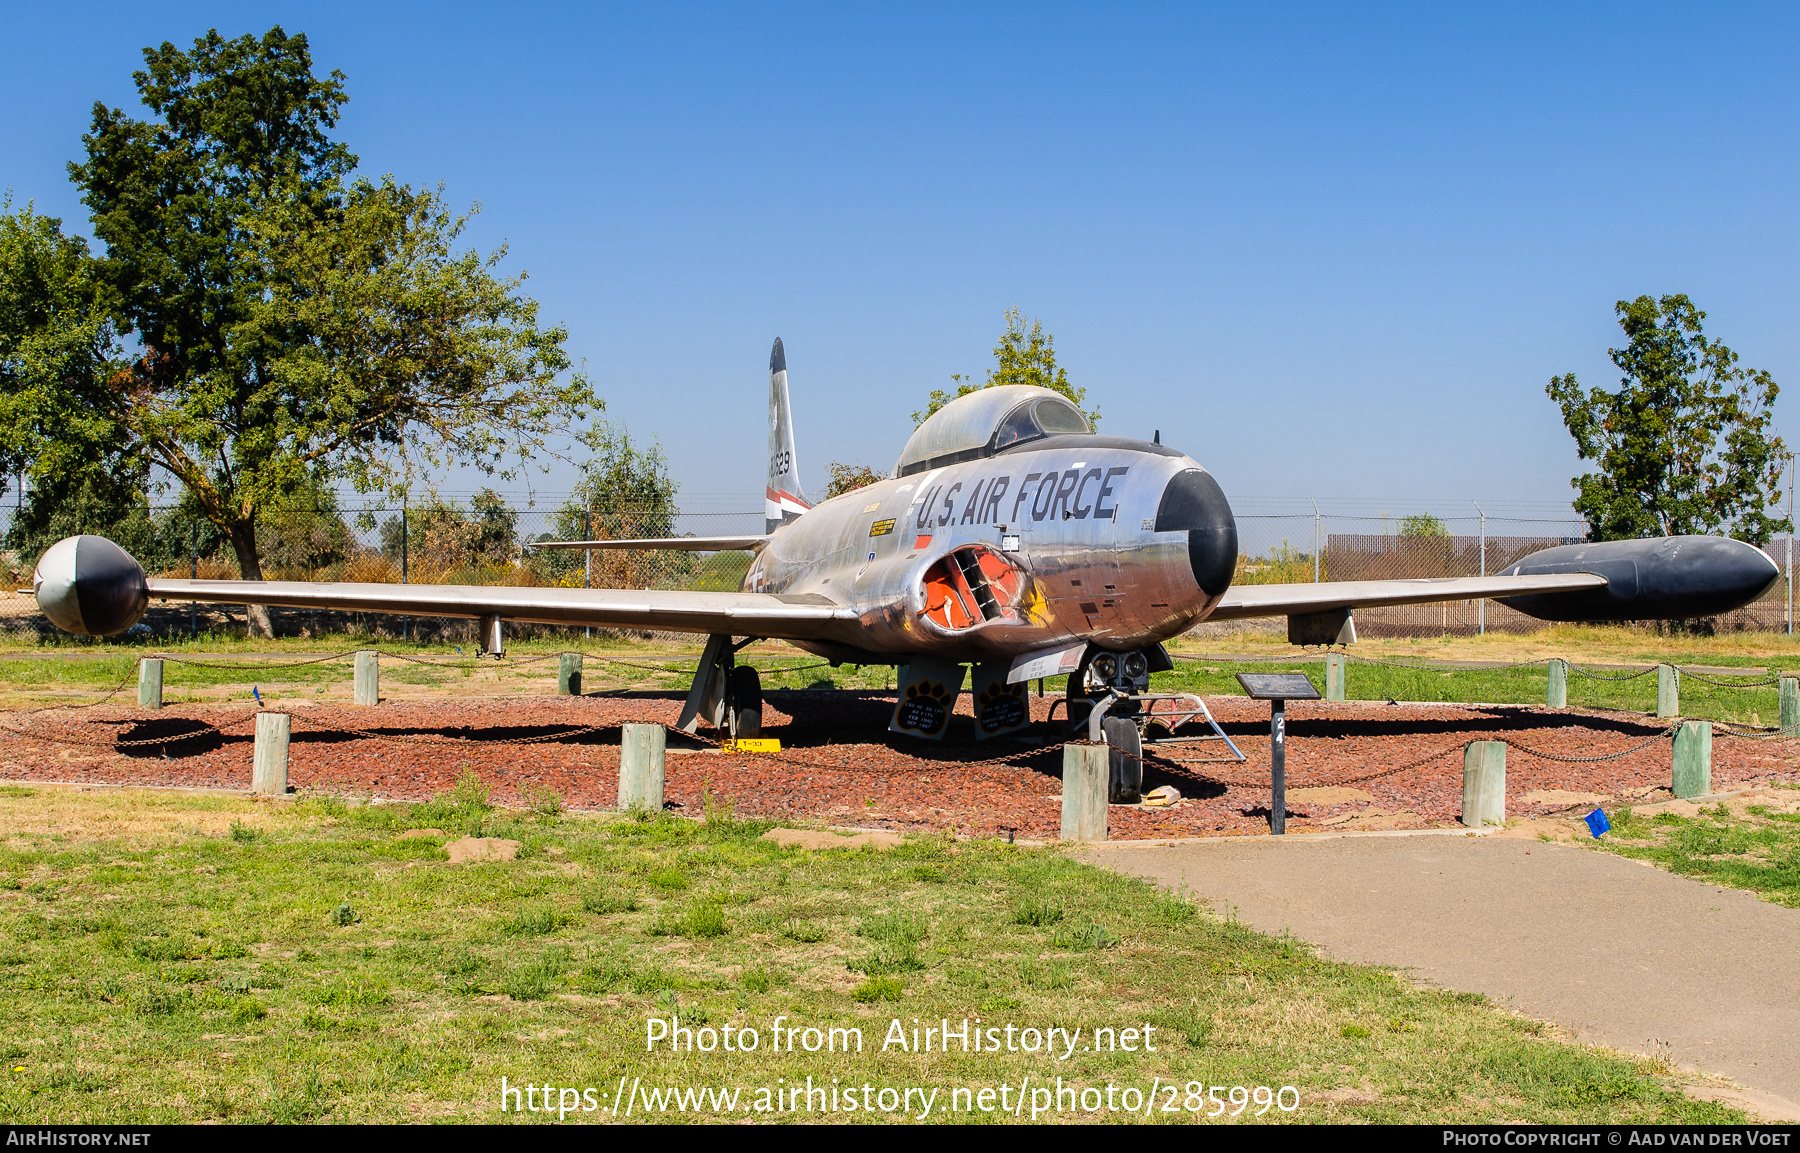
point(1124, 747)
point(746, 693)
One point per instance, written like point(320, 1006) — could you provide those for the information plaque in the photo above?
point(1278, 686)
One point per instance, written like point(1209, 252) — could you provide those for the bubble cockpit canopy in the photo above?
point(987, 421)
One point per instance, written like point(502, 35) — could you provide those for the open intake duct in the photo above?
point(970, 586)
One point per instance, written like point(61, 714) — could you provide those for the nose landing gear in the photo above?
point(1109, 696)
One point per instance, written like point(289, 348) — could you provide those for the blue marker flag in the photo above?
point(1597, 823)
point(256, 694)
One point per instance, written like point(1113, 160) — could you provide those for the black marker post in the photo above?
point(1278, 689)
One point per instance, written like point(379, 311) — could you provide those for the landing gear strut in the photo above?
point(724, 694)
point(1109, 697)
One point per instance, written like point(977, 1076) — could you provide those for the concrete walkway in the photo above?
point(1619, 953)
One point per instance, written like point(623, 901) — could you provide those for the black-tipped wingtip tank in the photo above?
point(1663, 578)
point(89, 586)
point(1194, 501)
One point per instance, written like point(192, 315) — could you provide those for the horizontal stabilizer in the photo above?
point(672, 543)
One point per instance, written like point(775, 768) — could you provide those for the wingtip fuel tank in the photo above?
point(89, 586)
point(1661, 578)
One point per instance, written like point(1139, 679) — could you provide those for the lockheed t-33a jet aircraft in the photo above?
point(1011, 538)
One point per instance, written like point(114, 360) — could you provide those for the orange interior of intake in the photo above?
point(953, 602)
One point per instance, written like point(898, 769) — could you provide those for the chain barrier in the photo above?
point(460, 742)
point(1776, 679)
point(117, 689)
point(1746, 733)
point(211, 730)
point(1531, 752)
point(242, 665)
point(1488, 667)
point(1484, 667)
point(1581, 672)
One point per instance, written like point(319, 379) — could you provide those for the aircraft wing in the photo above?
point(1243, 601)
point(779, 615)
point(673, 543)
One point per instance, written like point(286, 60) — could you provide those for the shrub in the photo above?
point(704, 921)
point(670, 879)
point(536, 922)
point(543, 801)
point(878, 989)
point(344, 914)
point(603, 902)
point(1037, 912)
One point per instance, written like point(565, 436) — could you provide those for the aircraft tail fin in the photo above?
point(782, 502)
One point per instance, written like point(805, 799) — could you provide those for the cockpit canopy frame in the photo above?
point(985, 422)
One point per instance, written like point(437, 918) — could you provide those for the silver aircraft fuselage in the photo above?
point(1106, 547)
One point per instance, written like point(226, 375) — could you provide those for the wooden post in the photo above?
point(1334, 676)
point(269, 763)
point(568, 675)
point(1558, 695)
point(150, 671)
point(1484, 784)
point(1789, 712)
point(1084, 782)
point(368, 678)
point(1693, 759)
point(641, 751)
point(1668, 691)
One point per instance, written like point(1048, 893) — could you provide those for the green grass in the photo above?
point(1527, 686)
point(179, 973)
point(1757, 849)
point(52, 673)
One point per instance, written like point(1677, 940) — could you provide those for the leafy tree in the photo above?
point(624, 492)
point(849, 477)
point(1025, 355)
point(447, 542)
point(296, 329)
point(57, 346)
point(1685, 445)
point(1423, 524)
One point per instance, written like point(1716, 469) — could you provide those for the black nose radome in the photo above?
point(1195, 502)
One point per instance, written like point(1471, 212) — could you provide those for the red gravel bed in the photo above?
point(839, 764)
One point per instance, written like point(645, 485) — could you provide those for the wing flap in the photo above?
point(762, 614)
point(1243, 601)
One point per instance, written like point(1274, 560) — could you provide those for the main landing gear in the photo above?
point(725, 694)
point(1109, 698)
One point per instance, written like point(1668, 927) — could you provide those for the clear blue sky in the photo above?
point(1328, 250)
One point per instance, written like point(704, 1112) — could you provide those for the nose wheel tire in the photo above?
point(746, 703)
point(1124, 747)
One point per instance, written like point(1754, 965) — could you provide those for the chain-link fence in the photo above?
point(483, 541)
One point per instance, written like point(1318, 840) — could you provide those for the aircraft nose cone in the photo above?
point(89, 586)
point(1194, 501)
